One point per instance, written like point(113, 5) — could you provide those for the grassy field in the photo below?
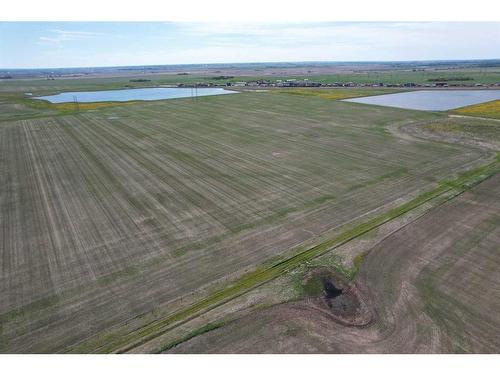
point(115, 217)
point(469, 76)
point(489, 109)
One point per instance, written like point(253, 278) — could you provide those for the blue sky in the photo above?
point(80, 44)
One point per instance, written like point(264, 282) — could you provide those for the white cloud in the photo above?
point(58, 36)
point(139, 44)
point(362, 34)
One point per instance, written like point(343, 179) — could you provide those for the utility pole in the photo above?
point(75, 100)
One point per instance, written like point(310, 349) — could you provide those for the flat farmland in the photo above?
point(112, 214)
point(433, 287)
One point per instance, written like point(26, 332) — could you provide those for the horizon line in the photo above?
point(255, 62)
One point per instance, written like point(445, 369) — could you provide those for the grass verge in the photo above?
point(199, 331)
point(337, 94)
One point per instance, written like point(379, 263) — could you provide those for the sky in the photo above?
point(87, 44)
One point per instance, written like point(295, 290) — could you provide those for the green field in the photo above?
point(466, 76)
point(115, 217)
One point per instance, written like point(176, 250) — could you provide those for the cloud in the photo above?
point(293, 34)
point(58, 36)
point(360, 33)
point(176, 43)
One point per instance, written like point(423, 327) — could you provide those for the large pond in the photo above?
point(426, 100)
point(155, 93)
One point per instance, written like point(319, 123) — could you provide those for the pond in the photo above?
point(427, 100)
point(153, 93)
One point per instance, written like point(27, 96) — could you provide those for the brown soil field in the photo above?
point(433, 287)
point(115, 218)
